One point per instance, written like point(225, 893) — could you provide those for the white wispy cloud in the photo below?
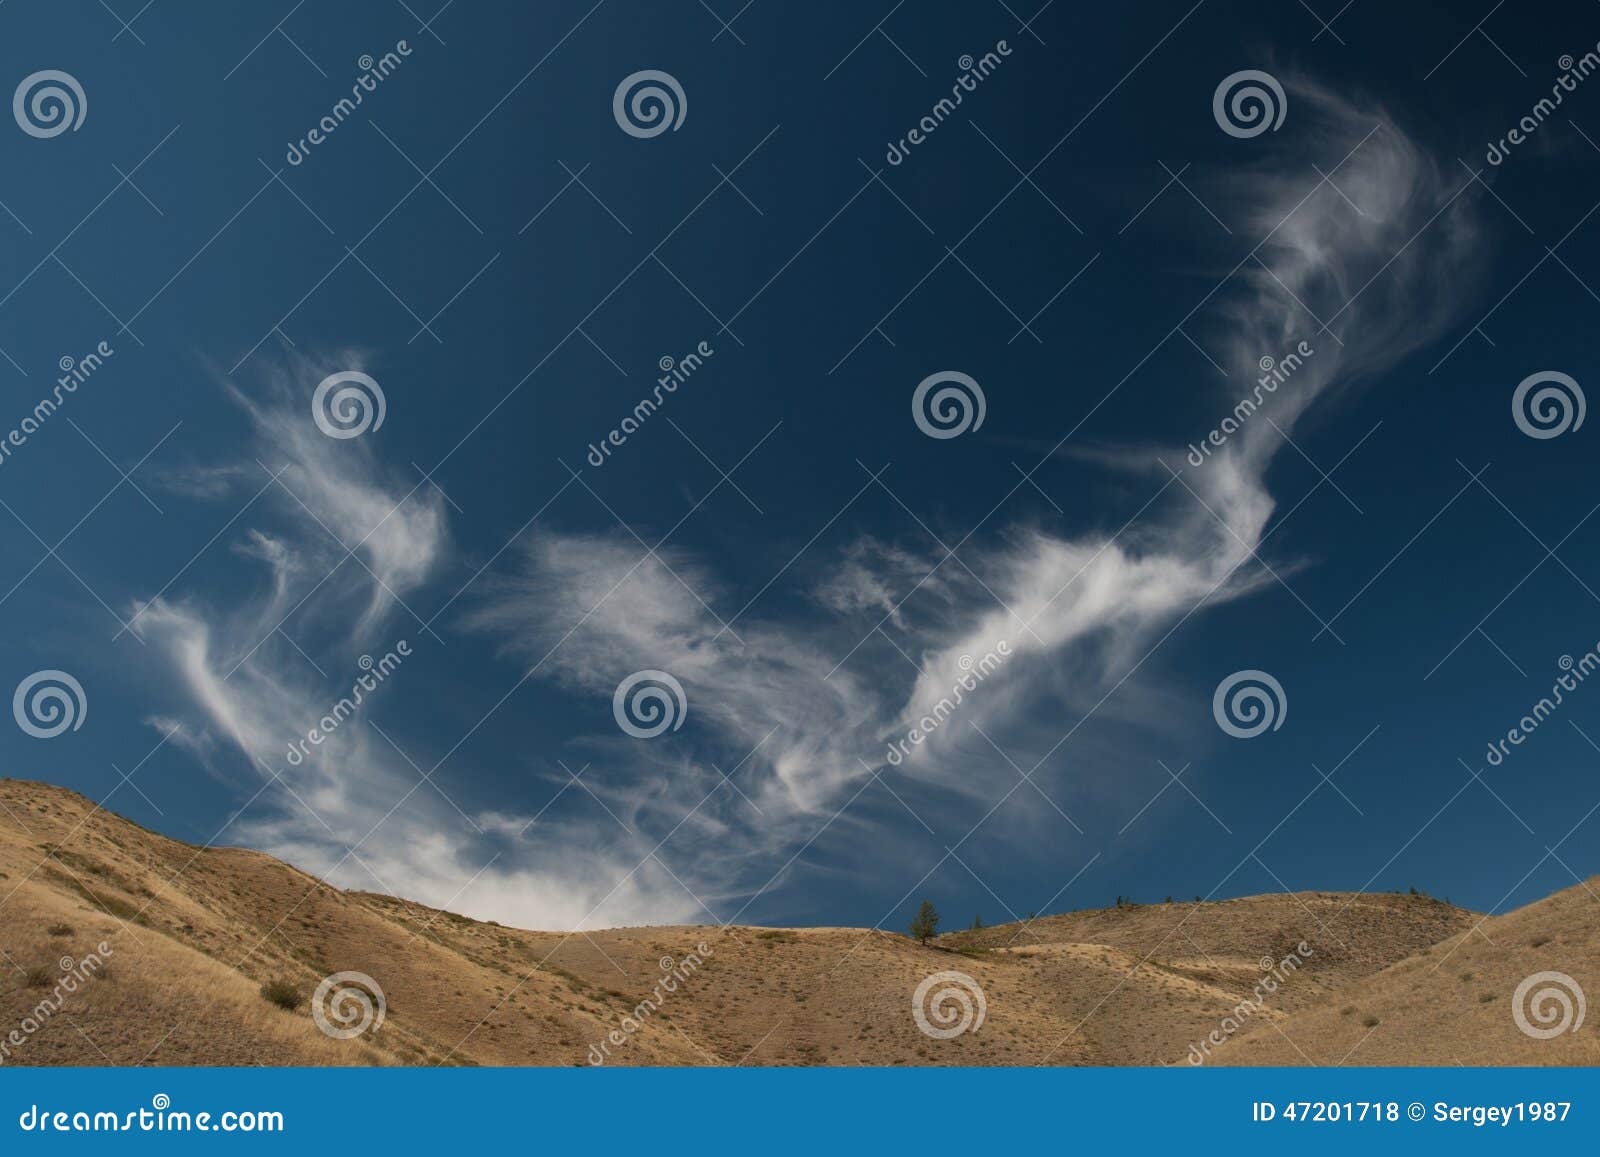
point(1378, 252)
point(353, 808)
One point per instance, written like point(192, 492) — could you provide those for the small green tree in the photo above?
point(926, 922)
point(977, 923)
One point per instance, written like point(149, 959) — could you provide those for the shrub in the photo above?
point(283, 993)
point(60, 929)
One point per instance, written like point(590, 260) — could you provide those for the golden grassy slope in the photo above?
point(1147, 981)
point(195, 932)
point(1451, 1003)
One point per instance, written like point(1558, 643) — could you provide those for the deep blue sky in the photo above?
point(228, 294)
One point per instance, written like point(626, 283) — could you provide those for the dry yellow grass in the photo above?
point(151, 1001)
point(194, 933)
point(1451, 1003)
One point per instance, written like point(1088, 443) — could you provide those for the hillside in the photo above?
point(193, 934)
point(1451, 1003)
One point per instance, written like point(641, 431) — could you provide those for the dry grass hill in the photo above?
point(197, 937)
point(1451, 1003)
